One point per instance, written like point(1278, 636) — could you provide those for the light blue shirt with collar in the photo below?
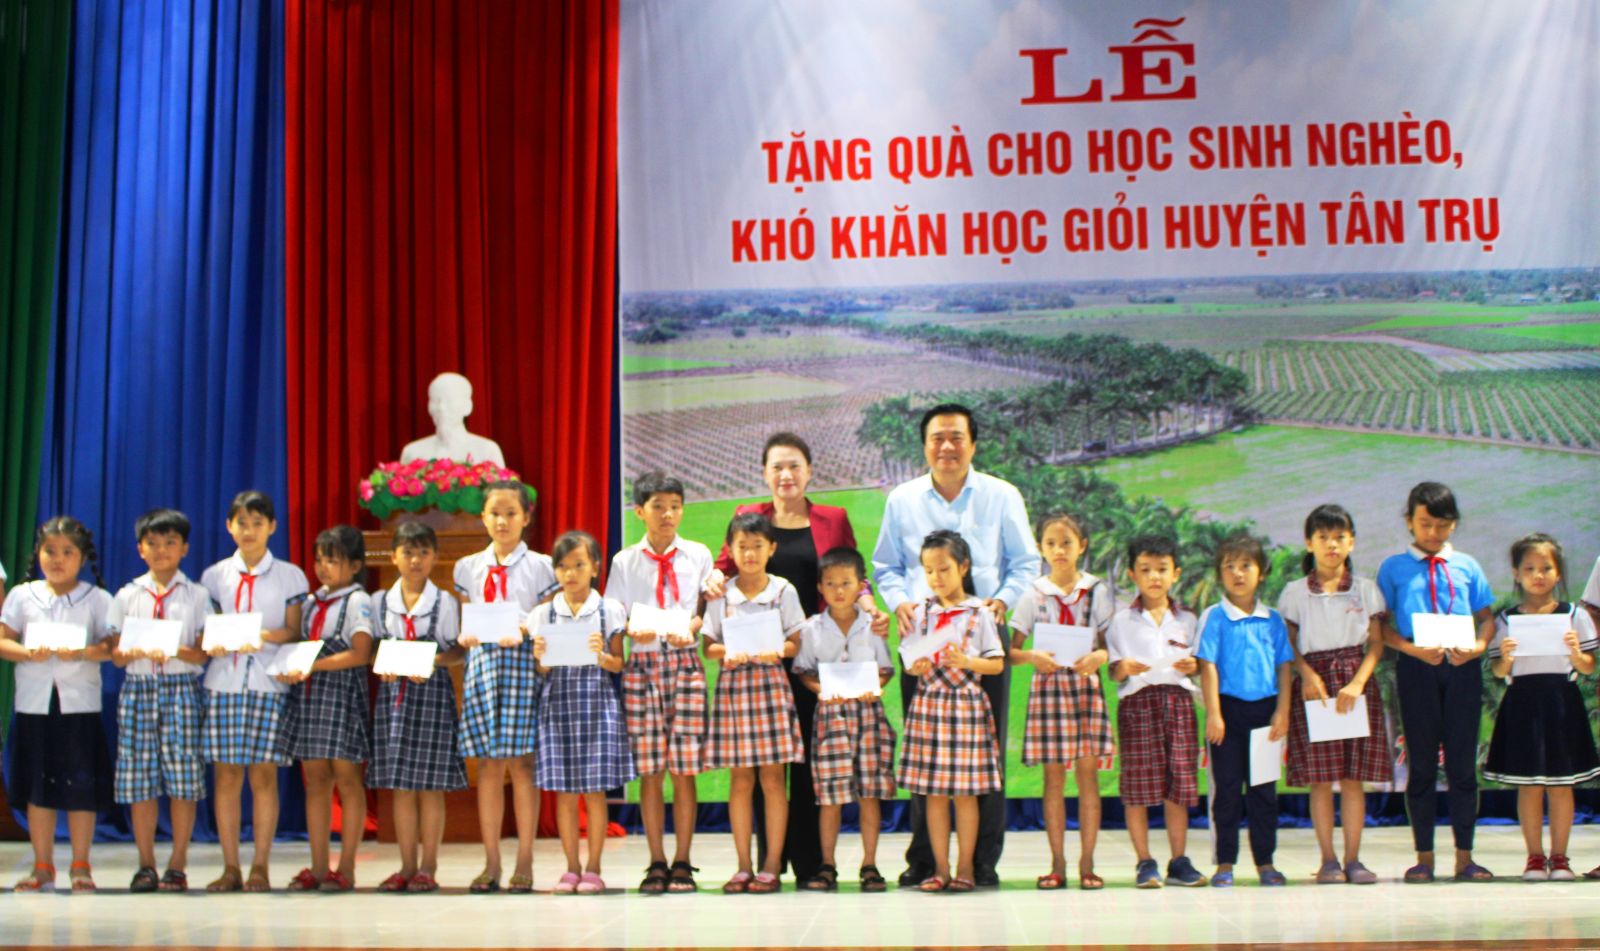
point(1246, 649)
point(988, 513)
point(1459, 585)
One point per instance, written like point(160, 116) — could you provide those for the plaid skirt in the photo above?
point(158, 739)
point(754, 722)
point(950, 747)
point(664, 697)
point(1541, 735)
point(1067, 719)
point(1160, 747)
point(500, 702)
point(852, 753)
point(245, 728)
point(331, 717)
point(583, 743)
point(1366, 759)
point(414, 737)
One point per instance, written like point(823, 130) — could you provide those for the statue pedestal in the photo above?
point(460, 535)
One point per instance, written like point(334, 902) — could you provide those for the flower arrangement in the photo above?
point(443, 484)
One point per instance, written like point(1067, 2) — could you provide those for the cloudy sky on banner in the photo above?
point(704, 83)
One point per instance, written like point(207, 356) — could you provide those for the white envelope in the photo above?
point(1067, 643)
point(232, 631)
point(295, 658)
point(566, 643)
point(849, 680)
point(1444, 630)
point(1540, 635)
point(492, 622)
point(915, 647)
point(1266, 757)
point(405, 658)
point(55, 635)
point(759, 632)
point(1324, 722)
point(151, 635)
point(663, 622)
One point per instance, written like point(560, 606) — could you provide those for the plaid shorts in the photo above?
point(1366, 759)
point(754, 722)
point(950, 747)
point(330, 719)
point(1160, 747)
point(414, 737)
point(583, 744)
point(500, 702)
point(664, 696)
point(245, 728)
point(852, 754)
point(158, 739)
point(1067, 719)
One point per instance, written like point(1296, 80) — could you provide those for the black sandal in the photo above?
point(681, 878)
point(655, 879)
point(872, 879)
point(826, 880)
point(144, 880)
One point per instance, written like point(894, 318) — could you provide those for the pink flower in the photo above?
point(366, 490)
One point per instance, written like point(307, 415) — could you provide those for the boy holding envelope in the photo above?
point(842, 662)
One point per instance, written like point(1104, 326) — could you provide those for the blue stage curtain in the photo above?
point(167, 375)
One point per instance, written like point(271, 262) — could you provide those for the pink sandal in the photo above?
point(566, 884)
point(591, 884)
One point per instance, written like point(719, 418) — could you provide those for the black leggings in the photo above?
point(1440, 705)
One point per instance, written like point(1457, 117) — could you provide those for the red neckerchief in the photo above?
point(1433, 585)
point(1065, 615)
point(411, 635)
point(161, 600)
point(245, 581)
point(496, 573)
point(666, 575)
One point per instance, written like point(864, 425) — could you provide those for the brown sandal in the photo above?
point(229, 881)
point(1090, 882)
point(258, 881)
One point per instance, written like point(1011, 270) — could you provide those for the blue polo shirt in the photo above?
point(1245, 648)
point(1459, 586)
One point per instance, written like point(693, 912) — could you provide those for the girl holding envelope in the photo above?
point(1440, 688)
point(1542, 743)
point(583, 743)
point(1067, 720)
point(58, 749)
point(754, 726)
point(1337, 635)
point(414, 735)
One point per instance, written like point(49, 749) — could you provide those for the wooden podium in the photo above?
point(460, 535)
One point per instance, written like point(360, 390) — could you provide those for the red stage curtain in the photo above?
point(451, 205)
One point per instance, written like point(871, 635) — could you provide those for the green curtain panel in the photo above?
point(34, 43)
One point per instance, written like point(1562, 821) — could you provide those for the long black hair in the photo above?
point(73, 531)
point(1327, 518)
point(957, 547)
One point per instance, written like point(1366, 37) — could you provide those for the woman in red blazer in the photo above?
point(806, 531)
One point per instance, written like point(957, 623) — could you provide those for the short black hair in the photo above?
point(842, 557)
point(415, 535)
point(1436, 497)
point(1243, 543)
point(751, 523)
point(791, 440)
point(1327, 518)
point(514, 486)
point(950, 409)
point(162, 522)
point(655, 483)
point(569, 542)
point(341, 541)
point(254, 501)
point(1157, 546)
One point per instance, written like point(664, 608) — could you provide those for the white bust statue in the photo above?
point(450, 403)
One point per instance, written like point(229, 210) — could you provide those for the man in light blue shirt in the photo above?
point(989, 514)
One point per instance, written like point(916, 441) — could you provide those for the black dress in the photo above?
point(795, 561)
